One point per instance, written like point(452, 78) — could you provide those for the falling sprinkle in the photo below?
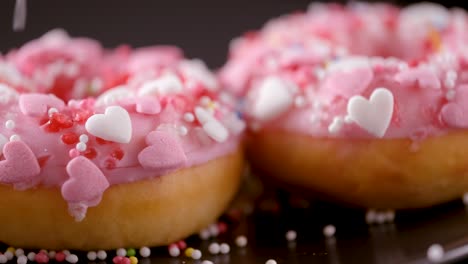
point(435, 253)
point(19, 16)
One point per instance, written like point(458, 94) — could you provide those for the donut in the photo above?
point(102, 149)
point(362, 104)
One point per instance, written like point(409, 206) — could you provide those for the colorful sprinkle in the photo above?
point(435, 253)
point(133, 260)
point(92, 255)
point(329, 230)
point(188, 252)
point(241, 241)
point(214, 248)
point(131, 252)
point(224, 248)
point(291, 235)
point(145, 252)
point(102, 255)
point(174, 251)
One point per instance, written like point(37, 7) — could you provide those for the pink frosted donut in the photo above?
point(108, 149)
point(362, 103)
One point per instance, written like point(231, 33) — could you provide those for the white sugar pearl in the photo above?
point(145, 252)
point(72, 258)
point(291, 235)
point(241, 241)
point(22, 260)
point(183, 131)
point(214, 231)
point(92, 255)
point(66, 252)
point(299, 101)
point(52, 111)
point(3, 259)
point(329, 230)
point(15, 138)
point(31, 256)
point(271, 261)
point(121, 252)
point(371, 217)
point(214, 248)
point(204, 234)
point(9, 255)
point(380, 218)
point(435, 253)
point(196, 254)
point(52, 254)
point(10, 124)
point(205, 100)
point(174, 251)
point(224, 248)
point(207, 262)
point(81, 146)
point(189, 117)
point(389, 216)
point(84, 138)
point(19, 252)
point(465, 198)
point(102, 255)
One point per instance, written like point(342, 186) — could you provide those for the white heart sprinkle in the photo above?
point(373, 115)
point(167, 84)
point(114, 125)
point(216, 130)
point(273, 99)
point(113, 95)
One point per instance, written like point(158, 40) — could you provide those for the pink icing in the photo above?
point(333, 53)
point(69, 143)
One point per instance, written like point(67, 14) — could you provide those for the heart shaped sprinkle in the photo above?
point(85, 186)
point(114, 95)
point(454, 112)
point(38, 104)
point(114, 125)
point(167, 84)
point(164, 152)
point(373, 115)
point(148, 105)
point(20, 165)
point(273, 98)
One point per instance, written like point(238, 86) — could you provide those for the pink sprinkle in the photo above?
point(125, 261)
point(117, 259)
point(172, 246)
point(182, 245)
point(73, 153)
point(42, 257)
point(60, 256)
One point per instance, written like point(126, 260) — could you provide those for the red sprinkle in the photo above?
point(109, 164)
point(41, 257)
point(90, 153)
point(60, 256)
point(42, 161)
point(118, 154)
point(125, 261)
point(222, 227)
point(81, 116)
point(182, 245)
point(70, 138)
point(61, 120)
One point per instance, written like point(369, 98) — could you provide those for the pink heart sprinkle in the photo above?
point(164, 152)
point(38, 104)
point(454, 113)
point(20, 165)
point(148, 105)
point(423, 77)
point(348, 83)
point(86, 184)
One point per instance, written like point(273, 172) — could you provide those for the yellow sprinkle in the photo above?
point(11, 249)
point(133, 260)
point(188, 252)
point(435, 39)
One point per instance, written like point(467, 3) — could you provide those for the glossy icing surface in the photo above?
point(355, 71)
point(83, 118)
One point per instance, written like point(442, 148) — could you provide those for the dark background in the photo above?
point(203, 28)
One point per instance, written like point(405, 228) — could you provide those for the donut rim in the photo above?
point(369, 173)
point(153, 212)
